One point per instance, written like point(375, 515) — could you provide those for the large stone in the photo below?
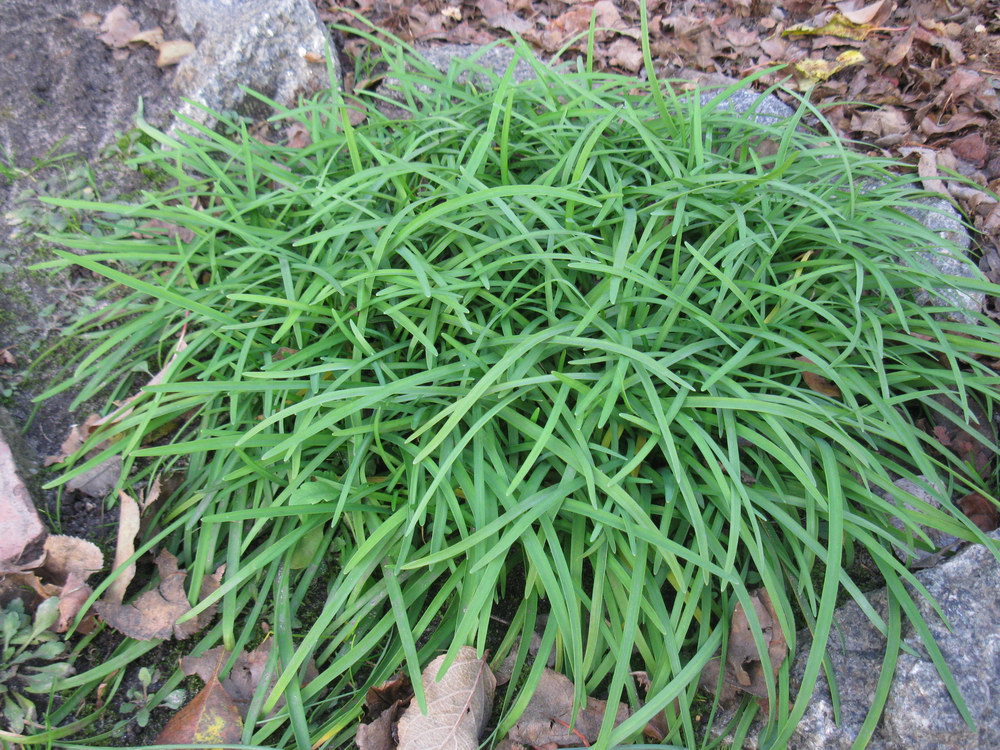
point(277, 48)
point(919, 713)
point(22, 533)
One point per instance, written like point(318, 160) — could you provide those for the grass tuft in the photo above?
point(536, 349)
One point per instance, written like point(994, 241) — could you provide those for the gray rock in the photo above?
point(22, 533)
point(496, 58)
point(942, 217)
point(277, 48)
point(919, 713)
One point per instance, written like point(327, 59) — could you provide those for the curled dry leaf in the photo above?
point(245, 676)
point(128, 527)
point(744, 670)
point(547, 719)
point(383, 706)
point(99, 480)
point(155, 613)
point(298, 135)
point(172, 51)
point(458, 706)
point(119, 27)
point(210, 718)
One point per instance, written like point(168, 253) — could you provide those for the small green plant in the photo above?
point(540, 347)
point(30, 662)
point(138, 700)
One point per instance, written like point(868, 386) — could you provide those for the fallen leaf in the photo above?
point(868, 14)
point(547, 719)
point(497, 14)
point(817, 382)
point(297, 135)
point(625, 53)
point(68, 555)
point(901, 49)
point(956, 122)
point(980, 511)
point(383, 706)
point(153, 37)
point(75, 439)
point(173, 51)
point(458, 705)
point(210, 718)
point(972, 148)
point(882, 122)
point(6, 358)
point(837, 25)
point(743, 665)
point(128, 527)
point(155, 613)
point(815, 70)
point(119, 27)
point(99, 480)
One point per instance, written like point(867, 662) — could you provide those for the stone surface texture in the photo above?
point(919, 713)
point(22, 533)
point(277, 48)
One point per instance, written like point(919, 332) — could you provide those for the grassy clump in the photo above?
point(539, 344)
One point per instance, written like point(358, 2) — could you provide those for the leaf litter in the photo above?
point(156, 612)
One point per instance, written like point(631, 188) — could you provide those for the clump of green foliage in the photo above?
point(540, 345)
point(31, 660)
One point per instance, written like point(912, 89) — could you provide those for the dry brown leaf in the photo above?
point(901, 50)
point(153, 37)
point(155, 613)
point(744, 670)
point(297, 135)
point(980, 511)
point(210, 718)
point(817, 382)
point(68, 555)
point(22, 533)
point(128, 527)
point(874, 13)
point(458, 705)
point(6, 358)
point(99, 480)
point(173, 51)
point(954, 123)
point(498, 15)
point(549, 715)
point(71, 600)
point(119, 27)
point(383, 706)
point(972, 148)
point(625, 53)
point(76, 437)
point(882, 122)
